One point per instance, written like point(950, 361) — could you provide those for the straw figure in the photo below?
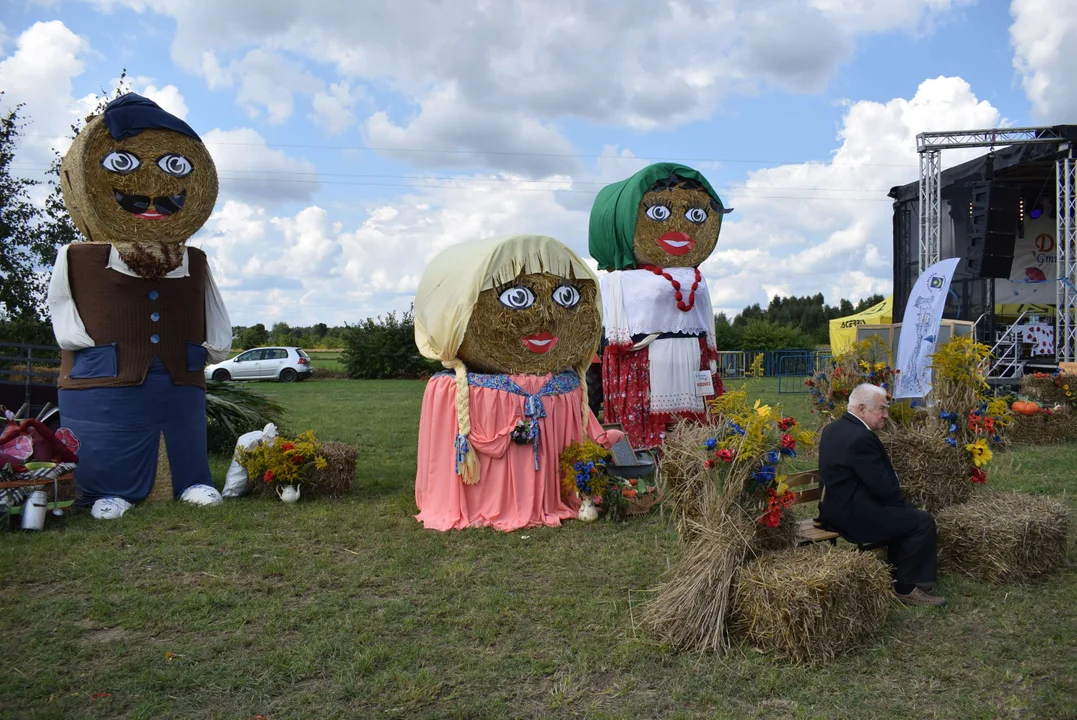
point(516, 321)
point(135, 311)
point(652, 232)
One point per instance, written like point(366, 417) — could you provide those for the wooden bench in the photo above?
point(807, 488)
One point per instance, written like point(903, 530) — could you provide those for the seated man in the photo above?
point(862, 497)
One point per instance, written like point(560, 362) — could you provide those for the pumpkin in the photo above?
point(1025, 407)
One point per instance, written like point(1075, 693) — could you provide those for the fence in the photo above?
point(735, 364)
point(28, 376)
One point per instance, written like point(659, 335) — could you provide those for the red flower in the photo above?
point(786, 423)
point(979, 476)
point(268, 477)
point(788, 443)
point(989, 424)
point(297, 459)
point(772, 519)
point(287, 446)
point(724, 455)
point(709, 464)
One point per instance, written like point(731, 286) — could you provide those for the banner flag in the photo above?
point(920, 329)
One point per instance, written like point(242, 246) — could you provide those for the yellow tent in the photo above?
point(843, 330)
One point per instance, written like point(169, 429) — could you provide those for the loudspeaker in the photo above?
point(994, 221)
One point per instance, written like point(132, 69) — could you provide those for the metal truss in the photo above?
point(1066, 260)
point(930, 146)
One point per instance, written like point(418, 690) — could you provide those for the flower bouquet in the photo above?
point(867, 362)
point(283, 464)
point(583, 473)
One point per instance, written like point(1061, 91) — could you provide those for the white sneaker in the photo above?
point(201, 495)
point(109, 508)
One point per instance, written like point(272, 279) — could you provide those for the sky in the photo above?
point(355, 140)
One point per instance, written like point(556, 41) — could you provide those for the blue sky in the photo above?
point(355, 140)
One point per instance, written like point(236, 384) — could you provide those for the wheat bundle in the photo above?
point(933, 474)
point(690, 609)
point(1003, 537)
point(810, 605)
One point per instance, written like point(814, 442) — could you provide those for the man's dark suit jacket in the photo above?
point(862, 495)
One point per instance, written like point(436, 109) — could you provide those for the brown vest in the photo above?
point(145, 319)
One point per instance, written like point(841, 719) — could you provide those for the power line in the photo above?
point(516, 153)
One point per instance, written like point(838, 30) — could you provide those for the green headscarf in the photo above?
point(612, 229)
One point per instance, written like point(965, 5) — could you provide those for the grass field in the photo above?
point(344, 609)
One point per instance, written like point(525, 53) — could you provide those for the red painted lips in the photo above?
point(677, 243)
point(540, 343)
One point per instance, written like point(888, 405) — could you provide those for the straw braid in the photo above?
point(469, 473)
point(581, 370)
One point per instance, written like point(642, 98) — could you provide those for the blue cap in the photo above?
point(130, 114)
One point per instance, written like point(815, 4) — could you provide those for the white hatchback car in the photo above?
point(286, 364)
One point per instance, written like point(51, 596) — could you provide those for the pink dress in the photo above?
point(511, 494)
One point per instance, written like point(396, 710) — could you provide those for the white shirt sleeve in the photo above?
point(66, 323)
point(218, 325)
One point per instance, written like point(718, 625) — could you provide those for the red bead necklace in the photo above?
point(681, 304)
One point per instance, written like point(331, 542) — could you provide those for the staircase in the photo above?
point(1006, 367)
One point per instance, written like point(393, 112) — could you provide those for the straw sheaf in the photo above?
point(1043, 429)
point(1043, 389)
point(1003, 537)
point(493, 340)
point(679, 200)
point(810, 605)
point(933, 475)
point(690, 609)
point(88, 188)
point(690, 486)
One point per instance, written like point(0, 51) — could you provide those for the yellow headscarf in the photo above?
point(450, 288)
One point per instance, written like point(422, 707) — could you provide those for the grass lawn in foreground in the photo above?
point(348, 608)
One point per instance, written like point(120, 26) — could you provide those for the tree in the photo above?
point(252, 337)
point(384, 348)
point(23, 249)
point(281, 334)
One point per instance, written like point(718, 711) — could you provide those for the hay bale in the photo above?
point(335, 479)
point(933, 475)
point(690, 486)
point(810, 605)
point(1003, 537)
point(689, 611)
point(781, 538)
point(1042, 387)
point(162, 483)
point(1043, 429)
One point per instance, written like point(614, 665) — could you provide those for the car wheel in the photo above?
point(288, 375)
point(221, 376)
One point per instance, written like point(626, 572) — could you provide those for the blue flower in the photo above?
point(772, 456)
point(913, 404)
point(953, 428)
point(790, 452)
point(996, 438)
point(765, 474)
point(579, 466)
point(710, 443)
point(590, 467)
point(951, 442)
point(736, 428)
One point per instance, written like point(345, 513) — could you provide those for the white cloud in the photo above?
point(168, 97)
point(783, 232)
point(1044, 38)
point(507, 139)
point(331, 108)
point(47, 56)
point(638, 63)
point(251, 171)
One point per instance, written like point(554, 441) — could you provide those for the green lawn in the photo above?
point(347, 609)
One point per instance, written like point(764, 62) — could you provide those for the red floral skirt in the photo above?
point(626, 390)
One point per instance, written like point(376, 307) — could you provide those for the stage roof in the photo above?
point(1029, 163)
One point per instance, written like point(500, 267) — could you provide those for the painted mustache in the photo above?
point(140, 205)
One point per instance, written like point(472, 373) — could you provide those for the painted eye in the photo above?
point(175, 165)
point(120, 162)
point(658, 212)
point(517, 298)
point(696, 215)
point(566, 296)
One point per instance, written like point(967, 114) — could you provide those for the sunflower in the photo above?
point(981, 454)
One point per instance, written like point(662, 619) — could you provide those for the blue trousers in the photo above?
point(119, 431)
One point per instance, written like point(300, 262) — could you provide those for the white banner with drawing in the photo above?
point(920, 329)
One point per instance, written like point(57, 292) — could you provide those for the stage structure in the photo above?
point(1011, 216)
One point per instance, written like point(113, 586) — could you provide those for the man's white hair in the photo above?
point(864, 393)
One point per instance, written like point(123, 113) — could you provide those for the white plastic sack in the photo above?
point(236, 482)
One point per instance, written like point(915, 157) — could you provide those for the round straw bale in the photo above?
point(810, 605)
point(90, 189)
point(933, 475)
point(1003, 537)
